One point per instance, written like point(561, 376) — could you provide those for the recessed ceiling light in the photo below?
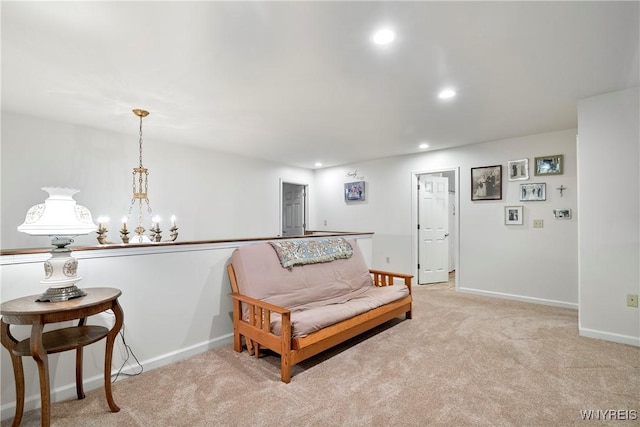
point(447, 93)
point(318, 164)
point(423, 145)
point(383, 36)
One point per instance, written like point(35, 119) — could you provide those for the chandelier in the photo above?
point(140, 186)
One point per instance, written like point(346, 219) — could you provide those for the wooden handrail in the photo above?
point(23, 251)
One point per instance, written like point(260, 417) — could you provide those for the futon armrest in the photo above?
point(391, 273)
point(385, 278)
point(256, 327)
point(258, 303)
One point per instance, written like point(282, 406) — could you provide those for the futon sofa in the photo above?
point(301, 297)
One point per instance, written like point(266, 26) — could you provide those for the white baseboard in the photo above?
point(68, 391)
point(609, 336)
point(583, 332)
point(532, 300)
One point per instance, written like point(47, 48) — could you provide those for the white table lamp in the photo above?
point(62, 219)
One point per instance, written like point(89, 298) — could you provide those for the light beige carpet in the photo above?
point(462, 360)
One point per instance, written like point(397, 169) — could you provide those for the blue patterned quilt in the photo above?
point(300, 252)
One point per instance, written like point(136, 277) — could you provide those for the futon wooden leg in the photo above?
point(237, 342)
point(285, 349)
point(237, 338)
point(285, 369)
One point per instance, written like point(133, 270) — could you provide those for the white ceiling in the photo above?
point(300, 82)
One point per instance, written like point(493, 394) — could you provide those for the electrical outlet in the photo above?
point(538, 223)
point(632, 300)
point(388, 260)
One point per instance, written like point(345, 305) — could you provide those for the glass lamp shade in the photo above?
point(60, 217)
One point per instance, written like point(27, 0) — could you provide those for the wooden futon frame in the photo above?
point(257, 332)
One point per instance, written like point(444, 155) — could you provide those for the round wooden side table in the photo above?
point(26, 311)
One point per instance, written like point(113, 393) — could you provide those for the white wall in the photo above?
point(213, 195)
point(520, 262)
point(175, 302)
point(175, 305)
point(609, 156)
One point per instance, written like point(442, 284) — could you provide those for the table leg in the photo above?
point(9, 342)
point(79, 386)
point(111, 338)
point(39, 354)
point(79, 364)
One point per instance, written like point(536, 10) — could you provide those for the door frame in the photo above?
point(415, 238)
point(305, 215)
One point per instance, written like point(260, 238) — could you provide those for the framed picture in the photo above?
point(562, 213)
point(533, 192)
point(549, 165)
point(518, 170)
point(513, 215)
point(486, 183)
point(354, 191)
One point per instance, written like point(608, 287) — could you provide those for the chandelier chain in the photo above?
point(140, 144)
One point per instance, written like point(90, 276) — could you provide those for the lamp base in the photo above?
point(61, 294)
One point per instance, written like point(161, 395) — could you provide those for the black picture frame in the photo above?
point(486, 183)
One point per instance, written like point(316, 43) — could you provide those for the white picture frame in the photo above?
point(533, 192)
point(562, 213)
point(513, 215)
point(518, 170)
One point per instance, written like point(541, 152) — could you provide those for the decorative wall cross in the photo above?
point(561, 189)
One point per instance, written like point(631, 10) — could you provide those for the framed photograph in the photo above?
point(562, 213)
point(354, 191)
point(533, 192)
point(549, 165)
point(486, 183)
point(518, 170)
point(513, 215)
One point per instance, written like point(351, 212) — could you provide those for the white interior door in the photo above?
point(433, 229)
point(293, 209)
